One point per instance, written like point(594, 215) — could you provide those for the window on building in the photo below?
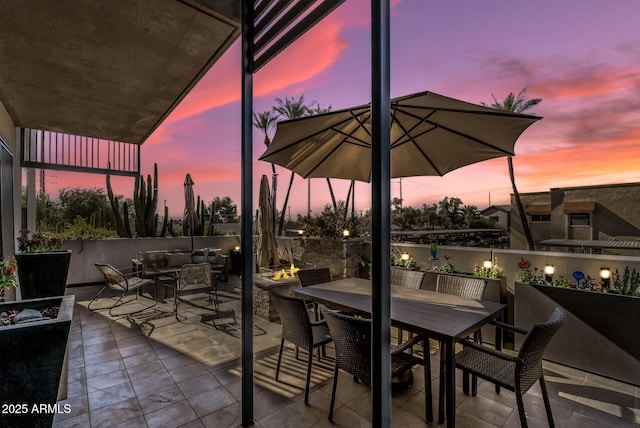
point(494, 218)
point(579, 219)
point(537, 218)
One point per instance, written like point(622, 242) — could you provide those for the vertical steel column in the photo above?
point(246, 243)
point(381, 213)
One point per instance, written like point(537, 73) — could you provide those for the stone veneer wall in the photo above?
point(263, 304)
point(342, 256)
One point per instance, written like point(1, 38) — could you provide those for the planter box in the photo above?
point(31, 361)
point(600, 335)
point(43, 274)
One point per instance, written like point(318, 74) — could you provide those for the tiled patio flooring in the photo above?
point(158, 372)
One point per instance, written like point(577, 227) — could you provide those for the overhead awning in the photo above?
point(538, 209)
point(109, 69)
point(579, 207)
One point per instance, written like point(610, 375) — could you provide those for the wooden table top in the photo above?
point(437, 315)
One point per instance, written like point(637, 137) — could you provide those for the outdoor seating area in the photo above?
point(148, 368)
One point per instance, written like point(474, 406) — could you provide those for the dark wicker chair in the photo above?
point(121, 280)
point(298, 329)
point(407, 278)
point(516, 373)
point(469, 288)
point(314, 276)
point(352, 338)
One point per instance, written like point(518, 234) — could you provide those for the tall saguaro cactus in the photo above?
point(122, 227)
point(145, 200)
point(145, 203)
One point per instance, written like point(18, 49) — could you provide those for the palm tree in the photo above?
point(290, 108)
point(265, 122)
point(517, 104)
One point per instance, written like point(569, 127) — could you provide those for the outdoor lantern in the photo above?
point(300, 232)
point(487, 264)
point(548, 272)
point(605, 275)
point(237, 248)
point(405, 256)
point(345, 233)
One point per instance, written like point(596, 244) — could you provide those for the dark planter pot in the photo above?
point(43, 274)
point(600, 335)
point(31, 363)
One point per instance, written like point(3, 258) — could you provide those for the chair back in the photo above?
point(296, 324)
point(533, 348)
point(194, 274)
point(314, 276)
point(468, 287)
point(114, 278)
point(407, 278)
point(352, 339)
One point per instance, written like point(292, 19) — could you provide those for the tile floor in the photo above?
point(150, 370)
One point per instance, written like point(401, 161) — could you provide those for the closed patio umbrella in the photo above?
point(267, 246)
point(430, 135)
point(190, 220)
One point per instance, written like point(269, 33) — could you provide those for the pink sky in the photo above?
point(582, 60)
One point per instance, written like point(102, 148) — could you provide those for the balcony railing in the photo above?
point(55, 150)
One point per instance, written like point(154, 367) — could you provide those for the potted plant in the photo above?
point(8, 269)
point(42, 266)
point(34, 336)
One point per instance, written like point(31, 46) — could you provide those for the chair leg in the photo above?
point(441, 384)
point(428, 397)
point(96, 296)
point(523, 416)
point(306, 391)
point(279, 358)
point(333, 393)
point(465, 382)
point(547, 403)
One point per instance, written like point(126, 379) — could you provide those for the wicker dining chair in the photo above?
point(515, 373)
point(314, 276)
point(407, 278)
point(298, 329)
point(469, 288)
point(412, 279)
point(124, 281)
point(352, 338)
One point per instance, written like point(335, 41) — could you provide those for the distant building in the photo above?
point(500, 214)
point(599, 219)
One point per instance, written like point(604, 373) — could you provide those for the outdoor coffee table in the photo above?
point(438, 316)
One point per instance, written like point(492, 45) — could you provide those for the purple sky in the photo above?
point(583, 59)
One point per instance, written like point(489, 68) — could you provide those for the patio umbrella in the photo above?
point(190, 220)
point(267, 245)
point(430, 135)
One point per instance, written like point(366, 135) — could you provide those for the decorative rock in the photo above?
point(27, 315)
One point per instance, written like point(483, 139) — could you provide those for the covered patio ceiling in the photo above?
point(111, 69)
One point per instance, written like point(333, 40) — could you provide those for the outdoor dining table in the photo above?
point(438, 316)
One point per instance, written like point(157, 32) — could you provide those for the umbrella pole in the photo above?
point(381, 209)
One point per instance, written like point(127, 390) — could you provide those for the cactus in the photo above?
point(145, 199)
point(122, 227)
point(145, 202)
point(163, 232)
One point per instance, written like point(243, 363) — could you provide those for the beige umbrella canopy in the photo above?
point(190, 220)
point(430, 135)
point(267, 246)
